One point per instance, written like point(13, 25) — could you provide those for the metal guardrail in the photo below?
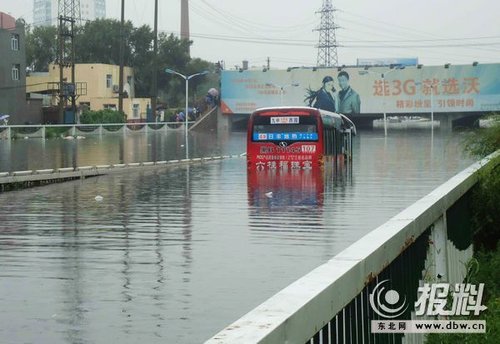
point(429, 241)
point(204, 117)
point(39, 131)
point(29, 178)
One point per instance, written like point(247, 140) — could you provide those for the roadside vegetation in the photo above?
point(102, 117)
point(485, 266)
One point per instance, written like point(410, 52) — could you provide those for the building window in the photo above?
point(14, 42)
point(109, 81)
point(109, 107)
point(15, 71)
point(136, 108)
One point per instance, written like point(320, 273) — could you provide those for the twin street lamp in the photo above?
point(187, 78)
point(282, 88)
point(382, 75)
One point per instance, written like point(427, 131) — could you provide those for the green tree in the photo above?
point(141, 44)
point(480, 143)
point(98, 41)
point(173, 53)
point(41, 47)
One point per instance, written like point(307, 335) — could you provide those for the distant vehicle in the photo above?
point(296, 138)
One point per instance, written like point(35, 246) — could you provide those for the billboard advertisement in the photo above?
point(404, 61)
point(357, 90)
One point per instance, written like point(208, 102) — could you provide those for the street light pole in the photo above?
point(384, 105)
point(432, 109)
point(382, 76)
point(186, 78)
point(186, 114)
point(282, 88)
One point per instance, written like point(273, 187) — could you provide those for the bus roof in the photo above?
point(285, 109)
point(329, 118)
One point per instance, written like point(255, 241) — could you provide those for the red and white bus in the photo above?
point(296, 138)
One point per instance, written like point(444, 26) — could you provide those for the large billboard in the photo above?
point(403, 61)
point(352, 90)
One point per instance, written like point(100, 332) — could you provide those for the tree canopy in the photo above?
point(41, 47)
point(99, 42)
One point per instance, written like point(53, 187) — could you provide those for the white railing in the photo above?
point(40, 131)
point(204, 117)
point(27, 178)
point(428, 241)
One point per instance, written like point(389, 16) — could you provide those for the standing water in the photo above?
point(175, 255)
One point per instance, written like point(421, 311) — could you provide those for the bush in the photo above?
point(487, 272)
point(485, 207)
point(102, 117)
point(484, 141)
point(486, 197)
point(52, 132)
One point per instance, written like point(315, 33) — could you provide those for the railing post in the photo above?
point(73, 130)
point(439, 240)
point(43, 132)
point(9, 133)
point(100, 130)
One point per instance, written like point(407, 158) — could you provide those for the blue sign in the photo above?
point(285, 136)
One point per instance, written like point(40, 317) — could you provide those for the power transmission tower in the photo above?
point(69, 14)
point(327, 46)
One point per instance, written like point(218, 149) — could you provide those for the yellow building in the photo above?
point(97, 86)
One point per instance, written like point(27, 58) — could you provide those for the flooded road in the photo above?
point(173, 256)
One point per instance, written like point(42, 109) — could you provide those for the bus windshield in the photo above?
point(284, 128)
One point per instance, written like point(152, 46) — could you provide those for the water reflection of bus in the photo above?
point(271, 189)
point(296, 138)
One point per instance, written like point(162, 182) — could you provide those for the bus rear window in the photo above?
point(284, 128)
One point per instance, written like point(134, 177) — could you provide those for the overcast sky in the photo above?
point(283, 29)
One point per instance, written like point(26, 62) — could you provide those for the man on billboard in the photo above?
point(349, 102)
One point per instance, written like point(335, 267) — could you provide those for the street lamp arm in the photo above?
point(197, 74)
point(383, 74)
point(170, 71)
point(186, 115)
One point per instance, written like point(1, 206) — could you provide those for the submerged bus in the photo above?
point(296, 138)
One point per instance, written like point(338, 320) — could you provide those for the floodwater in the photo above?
point(173, 256)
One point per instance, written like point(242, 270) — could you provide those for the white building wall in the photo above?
point(45, 11)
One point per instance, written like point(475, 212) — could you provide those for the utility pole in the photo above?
point(154, 92)
point(122, 62)
point(68, 13)
point(327, 45)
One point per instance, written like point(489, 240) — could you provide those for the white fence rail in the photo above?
point(40, 131)
point(25, 179)
point(429, 241)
